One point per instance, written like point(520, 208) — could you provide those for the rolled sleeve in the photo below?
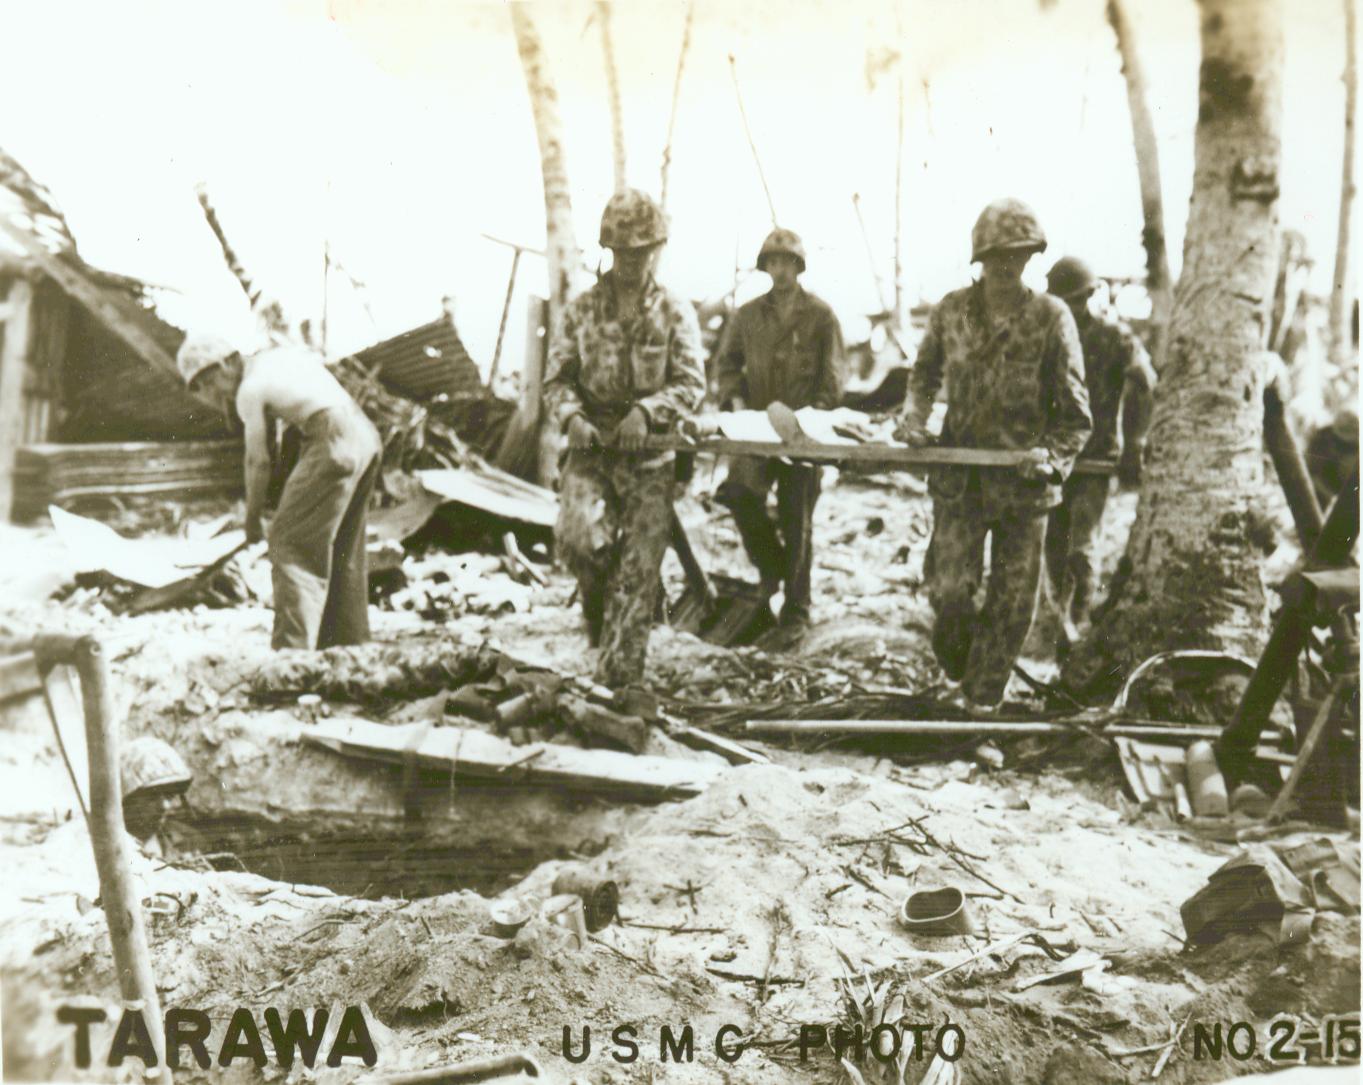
point(832, 366)
point(1070, 422)
point(926, 379)
point(562, 397)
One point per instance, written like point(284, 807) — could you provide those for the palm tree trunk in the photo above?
point(521, 449)
point(1147, 166)
point(676, 100)
point(603, 13)
point(1341, 346)
point(1190, 577)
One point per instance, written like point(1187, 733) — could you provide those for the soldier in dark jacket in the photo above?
point(624, 362)
point(785, 346)
point(1121, 383)
point(1014, 377)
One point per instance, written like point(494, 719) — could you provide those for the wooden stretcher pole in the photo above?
point(1289, 637)
point(1291, 469)
point(695, 575)
point(890, 455)
point(122, 909)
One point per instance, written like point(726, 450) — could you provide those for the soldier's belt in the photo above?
point(890, 455)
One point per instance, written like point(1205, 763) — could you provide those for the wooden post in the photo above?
point(118, 891)
point(506, 312)
point(13, 362)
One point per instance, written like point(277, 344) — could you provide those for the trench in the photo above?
point(376, 856)
point(388, 861)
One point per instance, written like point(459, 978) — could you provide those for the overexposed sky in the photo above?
point(400, 131)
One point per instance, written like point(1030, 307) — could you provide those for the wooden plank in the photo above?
point(906, 727)
point(13, 363)
point(478, 755)
point(1114, 727)
point(891, 455)
point(731, 751)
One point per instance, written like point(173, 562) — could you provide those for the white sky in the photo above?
point(400, 130)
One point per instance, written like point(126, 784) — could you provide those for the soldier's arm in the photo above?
point(251, 408)
point(832, 366)
point(729, 379)
point(563, 368)
point(1138, 394)
point(926, 379)
point(1070, 422)
point(679, 397)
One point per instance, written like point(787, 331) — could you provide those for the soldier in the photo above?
point(1014, 378)
point(152, 776)
point(317, 535)
point(785, 346)
point(1121, 380)
point(625, 361)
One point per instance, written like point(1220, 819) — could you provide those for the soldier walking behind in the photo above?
point(1014, 376)
point(785, 346)
point(1120, 380)
point(317, 535)
point(624, 362)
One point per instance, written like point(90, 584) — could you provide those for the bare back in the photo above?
point(290, 383)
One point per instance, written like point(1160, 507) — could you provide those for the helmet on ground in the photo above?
point(148, 764)
point(1006, 224)
point(1070, 276)
point(781, 240)
point(200, 351)
point(631, 220)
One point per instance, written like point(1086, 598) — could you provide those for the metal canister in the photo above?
point(1206, 785)
point(600, 899)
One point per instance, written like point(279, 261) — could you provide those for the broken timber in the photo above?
point(892, 455)
point(100, 307)
point(477, 755)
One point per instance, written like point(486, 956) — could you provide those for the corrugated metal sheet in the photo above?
point(425, 362)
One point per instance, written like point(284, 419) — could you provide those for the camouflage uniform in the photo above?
point(1016, 382)
point(615, 507)
point(798, 362)
point(1120, 381)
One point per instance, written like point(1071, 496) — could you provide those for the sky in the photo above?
point(395, 134)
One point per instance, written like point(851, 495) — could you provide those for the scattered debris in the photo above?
point(1258, 889)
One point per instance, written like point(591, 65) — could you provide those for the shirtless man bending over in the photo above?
point(317, 535)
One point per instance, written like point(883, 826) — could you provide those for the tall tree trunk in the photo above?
point(899, 320)
point(676, 100)
point(1147, 167)
point(265, 309)
point(521, 449)
point(603, 14)
point(1341, 346)
point(1190, 577)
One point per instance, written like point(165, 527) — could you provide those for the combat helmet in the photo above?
point(200, 351)
point(1070, 276)
point(781, 240)
point(631, 220)
point(149, 765)
point(1006, 224)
